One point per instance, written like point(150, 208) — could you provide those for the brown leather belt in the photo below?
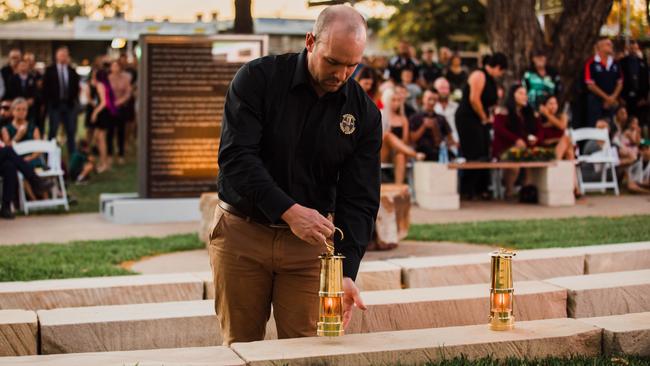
point(234, 211)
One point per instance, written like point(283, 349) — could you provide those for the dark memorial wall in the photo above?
point(182, 90)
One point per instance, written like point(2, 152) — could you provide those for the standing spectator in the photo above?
point(414, 90)
point(604, 81)
point(61, 92)
point(554, 125)
point(9, 69)
point(444, 56)
point(38, 106)
point(472, 120)
point(429, 70)
point(23, 85)
point(635, 80)
point(92, 101)
point(541, 81)
point(456, 76)
point(369, 81)
point(102, 117)
point(446, 107)
point(120, 81)
point(429, 129)
point(399, 62)
point(517, 127)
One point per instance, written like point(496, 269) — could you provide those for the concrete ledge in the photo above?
point(451, 306)
point(624, 334)
point(18, 333)
point(50, 294)
point(205, 356)
point(151, 210)
point(465, 269)
point(606, 293)
point(539, 338)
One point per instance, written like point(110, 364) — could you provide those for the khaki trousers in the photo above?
point(255, 266)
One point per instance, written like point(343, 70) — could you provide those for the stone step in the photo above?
point(624, 334)
point(465, 269)
point(199, 356)
point(606, 293)
point(537, 338)
point(132, 327)
point(534, 264)
point(76, 292)
point(18, 333)
point(373, 276)
point(452, 306)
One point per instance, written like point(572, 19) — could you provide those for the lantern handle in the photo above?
point(329, 242)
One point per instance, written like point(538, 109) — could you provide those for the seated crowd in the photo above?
point(31, 95)
point(437, 110)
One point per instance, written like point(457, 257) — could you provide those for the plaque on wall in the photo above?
point(181, 94)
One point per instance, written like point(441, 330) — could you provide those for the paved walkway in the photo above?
point(92, 226)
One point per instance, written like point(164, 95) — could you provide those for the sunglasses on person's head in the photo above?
point(5, 107)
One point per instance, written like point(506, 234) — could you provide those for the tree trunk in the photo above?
point(243, 17)
point(513, 29)
point(574, 38)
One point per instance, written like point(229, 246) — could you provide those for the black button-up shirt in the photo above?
point(281, 144)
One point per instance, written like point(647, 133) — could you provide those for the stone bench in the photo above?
point(616, 257)
point(132, 327)
point(532, 339)
point(624, 334)
point(200, 356)
point(18, 333)
point(372, 276)
point(75, 292)
point(606, 293)
point(452, 306)
point(536, 264)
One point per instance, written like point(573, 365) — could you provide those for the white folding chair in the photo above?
point(606, 159)
point(52, 153)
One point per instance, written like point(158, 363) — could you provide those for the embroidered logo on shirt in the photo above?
point(347, 124)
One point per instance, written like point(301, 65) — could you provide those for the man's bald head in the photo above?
point(335, 47)
point(342, 19)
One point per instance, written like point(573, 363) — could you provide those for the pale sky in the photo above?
point(186, 10)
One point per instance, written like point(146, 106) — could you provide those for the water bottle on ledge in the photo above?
point(443, 154)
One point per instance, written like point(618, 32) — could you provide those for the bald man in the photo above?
point(299, 155)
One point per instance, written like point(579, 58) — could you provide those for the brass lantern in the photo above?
point(330, 313)
point(501, 291)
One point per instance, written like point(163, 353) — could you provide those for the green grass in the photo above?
point(528, 234)
point(85, 258)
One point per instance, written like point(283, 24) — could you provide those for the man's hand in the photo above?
point(429, 122)
point(520, 143)
point(351, 298)
point(308, 224)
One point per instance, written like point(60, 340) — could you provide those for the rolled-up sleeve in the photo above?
point(357, 198)
point(241, 133)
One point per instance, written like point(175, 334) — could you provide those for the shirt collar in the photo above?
point(301, 75)
point(609, 62)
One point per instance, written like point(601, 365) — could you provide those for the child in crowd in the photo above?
point(82, 163)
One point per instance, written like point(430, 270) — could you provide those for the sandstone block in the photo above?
point(624, 334)
point(75, 292)
point(606, 293)
point(18, 333)
point(538, 338)
point(378, 275)
point(616, 257)
point(205, 356)
point(464, 269)
point(438, 307)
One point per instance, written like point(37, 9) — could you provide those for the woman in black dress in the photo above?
point(473, 122)
point(103, 117)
